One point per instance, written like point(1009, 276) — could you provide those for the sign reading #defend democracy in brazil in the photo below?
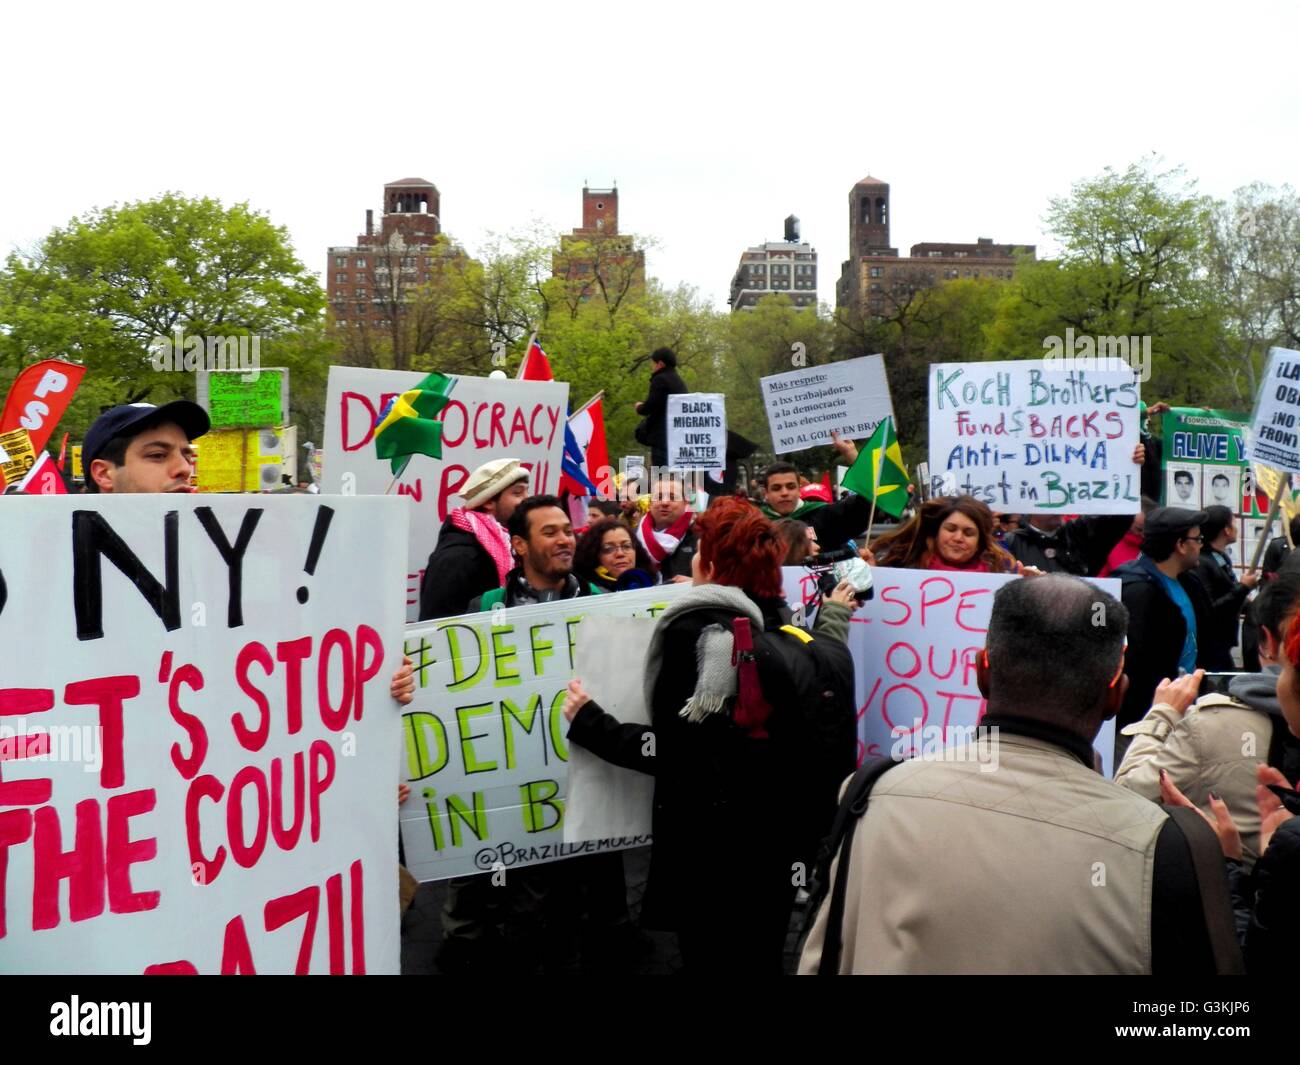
point(483, 420)
point(486, 749)
point(1275, 432)
point(1029, 438)
point(805, 406)
point(197, 741)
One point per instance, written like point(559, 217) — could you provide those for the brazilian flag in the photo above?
point(406, 426)
point(879, 473)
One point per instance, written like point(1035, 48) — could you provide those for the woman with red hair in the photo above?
point(718, 747)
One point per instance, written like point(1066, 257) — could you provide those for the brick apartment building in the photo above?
point(595, 259)
point(788, 266)
point(370, 281)
point(875, 278)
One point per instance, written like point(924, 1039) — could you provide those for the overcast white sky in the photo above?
point(717, 120)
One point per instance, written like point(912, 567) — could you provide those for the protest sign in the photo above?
point(1274, 436)
point(914, 646)
point(239, 460)
point(805, 406)
point(1029, 438)
point(486, 753)
point(244, 399)
point(17, 456)
point(697, 431)
point(39, 397)
point(200, 740)
point(483, 420)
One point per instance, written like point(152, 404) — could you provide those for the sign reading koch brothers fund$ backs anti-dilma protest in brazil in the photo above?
point(1029, 438)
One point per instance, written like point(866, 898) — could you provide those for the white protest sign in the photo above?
point(914, 647)
point(697, 431)
point(1274, 436)
point(487, 754)
point(197, 740)
point(605, 800)
point(805, 406)
point(483, 420)
point(1030, 437)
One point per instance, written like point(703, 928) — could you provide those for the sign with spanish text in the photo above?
point(483, 420)
point(914, 647)
point(697, 431)
point(197, 753)
point(805, 406)
point(1274, 433)
point(1028, 437)
point(486, 751)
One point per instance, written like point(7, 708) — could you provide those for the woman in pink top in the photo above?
point(948, 533)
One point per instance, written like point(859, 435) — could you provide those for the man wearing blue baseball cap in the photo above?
point(139, 447)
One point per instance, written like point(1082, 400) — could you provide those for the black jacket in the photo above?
point(458, 571)
point(1080, 547)
point(653, 430)
point(1277, 552)
point(1156, 633)
point(678, 564)
point(1227, 595)
point(838, 523)
point(722, 853)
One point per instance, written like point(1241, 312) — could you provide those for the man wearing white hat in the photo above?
point(473, 553)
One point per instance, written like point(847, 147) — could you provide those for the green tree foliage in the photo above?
point(102, 288)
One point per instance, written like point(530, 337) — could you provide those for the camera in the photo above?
point(841, 564)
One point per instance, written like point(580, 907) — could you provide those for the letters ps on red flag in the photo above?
point(39, 397)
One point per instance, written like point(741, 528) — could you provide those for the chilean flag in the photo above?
point(536, 366)
point(585, 434)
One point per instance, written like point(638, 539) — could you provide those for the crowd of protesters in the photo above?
point(930, 865)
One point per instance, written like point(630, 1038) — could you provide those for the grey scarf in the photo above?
point(716, 684)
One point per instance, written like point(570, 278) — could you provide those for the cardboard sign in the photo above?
point(197, 750)
point(1274, 433)
point(914, 646)
point(484, 420)
point(1028, 437)
point(239, 460)
point(486, 751)
point(697, 431)
point(241, 399)
point(805, 406)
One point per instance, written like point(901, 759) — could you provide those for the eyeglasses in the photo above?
point(615, 549)
point(1194, 539)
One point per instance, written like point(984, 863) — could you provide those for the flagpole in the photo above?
point(590, 403)
point(523, 365)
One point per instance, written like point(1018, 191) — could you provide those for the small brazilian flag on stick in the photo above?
point(406, 426)
point(878, 472)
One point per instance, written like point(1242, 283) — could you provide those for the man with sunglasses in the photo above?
point(1167, 605)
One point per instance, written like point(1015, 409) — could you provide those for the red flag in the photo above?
point(588, 425)
point(38, 398)
point(63, 452)
point(43, 479)
point(536, 366)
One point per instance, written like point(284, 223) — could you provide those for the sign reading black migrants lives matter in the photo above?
point(697, 431)
point(805, 406)
point(1028, 438)
point(1274, 437)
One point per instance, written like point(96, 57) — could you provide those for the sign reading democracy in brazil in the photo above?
point(805, 406)
point(483, 420)
point(697, 431)
point(244, 399)
point(914, 648)
point(197, 742)
point(1275, 436)
point(486, 749)
point(1023, 437)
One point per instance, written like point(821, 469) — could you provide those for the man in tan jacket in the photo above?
point(1214, 747)
point(1031, 862)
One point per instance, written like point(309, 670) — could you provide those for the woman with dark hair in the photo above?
point(799, 538)
point(720, 735)
point(947, 533)
point(612, 559)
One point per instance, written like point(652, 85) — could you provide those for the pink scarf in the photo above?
point(491, 537)
point(975, 565)
point(662, 544)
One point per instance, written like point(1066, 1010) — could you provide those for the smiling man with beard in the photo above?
point(541, 537)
